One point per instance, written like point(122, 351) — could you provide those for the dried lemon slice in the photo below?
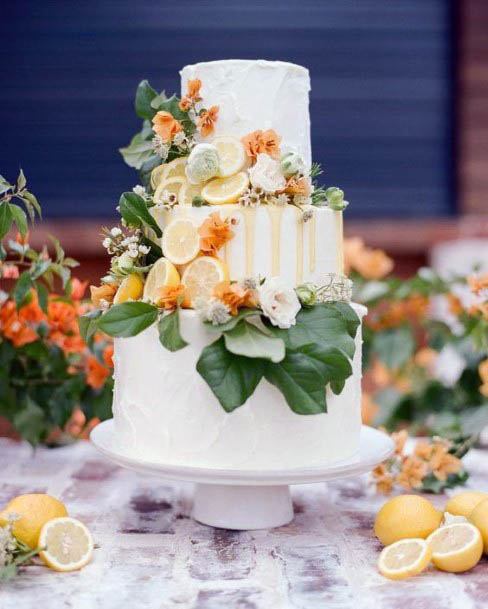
point(175, 169)
point(404, 558)
point(225, 190)
point(181, 241)
point(68, 544)
point(232, 156)
point(173, 185)
point(163, 273)
point(201, 276)
point(187, 192)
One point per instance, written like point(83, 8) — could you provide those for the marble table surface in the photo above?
point(151, 554)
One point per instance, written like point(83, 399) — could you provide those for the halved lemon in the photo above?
point(225, 190)
point(462, 504)
point(187, 192)
point(201, 276)
point(68, 544)
point(404, 558)
point(172, 185)
point(232, 155)
point(175, 169)
point(163, 273)
point(181, 241)
point(130, 289)
point(456, 547)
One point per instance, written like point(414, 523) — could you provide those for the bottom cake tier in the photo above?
point(165, 412)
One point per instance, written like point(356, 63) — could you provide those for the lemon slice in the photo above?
point(456, 547)
point(175, 169)
point(181, 241)
point(172, 185)
point(232, 155)
point(68, 544)
point(187, 192)
point(201, 276)
point(225, 190)
point(130, 289)
point(404, 558)
point(163, 273)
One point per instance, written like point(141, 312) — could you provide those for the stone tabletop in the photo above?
point(151, 554)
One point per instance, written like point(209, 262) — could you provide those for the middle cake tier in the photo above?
point(273, 241)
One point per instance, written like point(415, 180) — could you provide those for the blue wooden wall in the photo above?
point(381, 100)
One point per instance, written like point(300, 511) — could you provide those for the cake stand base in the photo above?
point(245, 499)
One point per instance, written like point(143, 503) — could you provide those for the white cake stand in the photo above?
point(248, 499)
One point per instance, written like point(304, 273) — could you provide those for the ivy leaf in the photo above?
point(144, 96)
point(169, 332)
point(304, 373)
point(20, 219)
point(232, 378)
point(6, 219)
point(394, 347)
point(88, 324)
point(22, 288)
point(137, 152)
point(247, 340)
point(350, 317)
point(128, 319)
point(134, 210)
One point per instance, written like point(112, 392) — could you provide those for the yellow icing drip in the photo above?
point(312, 238)
point(340, 241)
point(299, 250)
point(249, 226)
point(275, 214)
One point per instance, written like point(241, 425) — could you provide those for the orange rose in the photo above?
point(214, 233)
point(104, 292)
point(96, 373)
point(207, 120)
point(166, 126)
point(260, 141)
point(235, 296)
point(169, 297)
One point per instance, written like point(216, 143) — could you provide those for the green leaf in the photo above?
point(245, 339)
point(21, 181)
point(146, 168)
point(4, 185)
point(128, 319)
point(134, 210)
point(137, 152)
point(88, 324)
point(22, 288)
point(169, 332)
point(65, 398)
point(350, 317)
point(144, 96)
point(233, 321)
point(394, 347)
point(155, 253)
point(304, 373)
point(171, 105)
point(31, 200)
point(6, 219)
point(232, 378)
point(20, 219)
point(30, 421)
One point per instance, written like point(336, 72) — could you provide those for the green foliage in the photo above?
point(133, 209)
point(145, 94)
point(127, 319)
point(138, 152)
point(169, 331)
point(394, 347)
point(248, 340)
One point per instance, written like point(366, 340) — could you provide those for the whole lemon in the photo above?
point(33, 510)
point(464, 503)
point(479, 517)
point(404, 517)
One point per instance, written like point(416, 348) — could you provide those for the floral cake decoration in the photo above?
point(299, 339)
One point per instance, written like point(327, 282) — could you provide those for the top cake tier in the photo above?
point(257, 94)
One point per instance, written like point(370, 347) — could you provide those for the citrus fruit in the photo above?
point(130, 289)
point(67, 543)
point(232, 156)
point(479, 517)
point(404, 558)
point(172, 185)
point(181, 241)
point(456, 547)
point(201, 276)
point(175, 169)
point(225, 190)
point(163, 273)
point(464, 503)
point(35, 510)
point(404, 517)
point(187, 192)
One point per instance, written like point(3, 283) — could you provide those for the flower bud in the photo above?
point(291, 164)
point(198, 201)
point(335, 198)
point(203, 163)
point(306, 294)
point(123, 263)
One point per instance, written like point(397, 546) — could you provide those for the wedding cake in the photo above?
point(236, 345)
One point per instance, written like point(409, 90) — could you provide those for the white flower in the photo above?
point(281, 200)
point(139, 190)
point(266, 174)
point(116, 231)
point(144, 249)
point(160, 147)
point(179, 139)
point(124, 262)
point(203, 163)
point(279, 302)
point(213, 310)
point(107, 242)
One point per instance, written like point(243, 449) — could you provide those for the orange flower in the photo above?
point(400, 438)
point(13, 328)
point(412, 473)
point(478, 283)
point(235, 296)
point(96, 373)
point(298, 186)
point(107, 355)
point(78, 288)
point(170, 297)
point(380, 374)
point(185, 104)
point(260, 141)
point(373, 264)
point(455, 305)
point(369, 409)
point(207, 119)
point(442, 462)
point(383, 479)
point(166, 126)
point(353, 248)
point(426, 358)
point(104, 292)
point(22, 239)
point(193, 89)
point(214, 233)
point(9, 271)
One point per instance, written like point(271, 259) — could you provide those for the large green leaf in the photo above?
point(349, 315)
point(304, 373)
point(232, 378)
point(394, 347)
point(127, 319)
point(134, 210)
point(144, 96)
point(247, 340)
point(169, 332)
point(88, 324)
point(137, 152)
point(6, 219)
point(20, 218)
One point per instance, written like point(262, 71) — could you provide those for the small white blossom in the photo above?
point(279, 302)
point(115, 231)
point(250, 283)
point(107, 242)
point(144, 249)
point(179, 139)
point(213, 311)
point(140, 190)
point(160, 147)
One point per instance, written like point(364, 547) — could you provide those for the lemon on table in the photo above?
point(187, 192)
point(201, 276)
point(406, 516)
point(225, 190)
point(232, 156)
point(462, 504)
point(130, 289)
point(175, 169)
point(404, 558)
point(34, 509)
point(68, 544)
point(456, 547)
point(163, 273)
point(172, 185)
point(479, 517)
point(181, 241)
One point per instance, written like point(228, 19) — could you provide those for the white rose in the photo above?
point(279, 303)
point(266, 174)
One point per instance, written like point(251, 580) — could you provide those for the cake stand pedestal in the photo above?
point(248, 499)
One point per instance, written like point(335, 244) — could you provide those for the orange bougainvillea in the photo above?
point(259, 141)
point(96, 372)
point(235, 296)
point(192, 94)
point(63, 326)
point(477, 283)
point(298, 186)
point(166, 126)
point(19, 326)
point(207, 119)
point(370, 263)
point(215, 233)
point(169, 297)
point(105, 292)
